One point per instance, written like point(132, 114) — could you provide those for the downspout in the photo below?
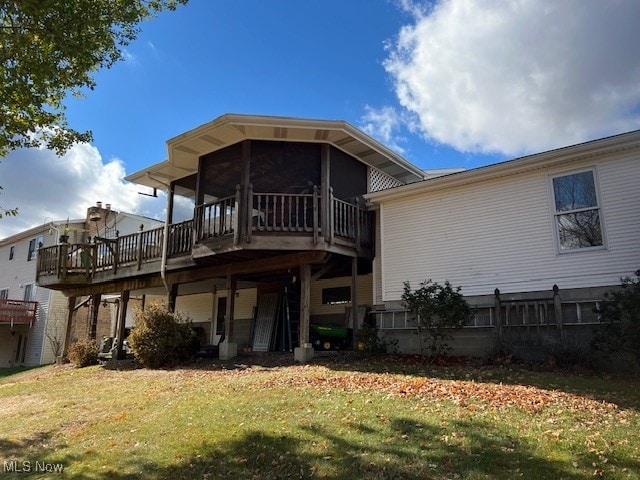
point(165, 233)
point(165, 243)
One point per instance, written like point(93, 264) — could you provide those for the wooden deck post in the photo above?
point(71, 305)
point(120, 352)
point(229, 349)
point(354, 301)
point(304, 352)
point(95, 306)
point(171, 297)
point(325, 181)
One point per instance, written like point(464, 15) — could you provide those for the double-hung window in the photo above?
point(577, 212)
point(34, 245)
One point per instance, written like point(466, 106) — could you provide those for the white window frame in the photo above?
point(37, 242)
point(555, 214)
point(4, 291)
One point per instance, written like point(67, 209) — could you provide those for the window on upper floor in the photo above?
point(34, 245)
point(12, 251)
point(577, 212)
point(4, 293)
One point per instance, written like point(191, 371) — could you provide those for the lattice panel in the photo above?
point(378, 180)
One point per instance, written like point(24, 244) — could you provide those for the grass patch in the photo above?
point(331, 419)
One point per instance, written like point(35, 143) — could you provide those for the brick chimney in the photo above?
point(97, 217)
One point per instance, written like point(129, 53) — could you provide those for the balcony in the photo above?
point(221, 232)
point(18, 312)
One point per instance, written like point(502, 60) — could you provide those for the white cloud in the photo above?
point(519, 76)
point(384, 124)
point(43, 185)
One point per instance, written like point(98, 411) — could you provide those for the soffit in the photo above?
point(185, 150)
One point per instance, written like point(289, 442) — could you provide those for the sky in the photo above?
point(447, 84)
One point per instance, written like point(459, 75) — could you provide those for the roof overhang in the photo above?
point(185, 149)
point(562, 156)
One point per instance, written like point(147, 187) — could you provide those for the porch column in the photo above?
point(304, 352)
point(244, 215)
point(120, 353)
point(229, 349)
point(71, 305)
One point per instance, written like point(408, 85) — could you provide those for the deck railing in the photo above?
point(265, 214)
point(284, 212)
point(180, 238)
point(18, 312)
point(217, 219)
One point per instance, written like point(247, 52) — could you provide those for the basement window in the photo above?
point(336, 295)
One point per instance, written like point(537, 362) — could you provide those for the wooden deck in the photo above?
point(221, 232)
point(18, 312)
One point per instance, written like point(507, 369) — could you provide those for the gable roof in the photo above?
point(618, 143)
point(185, 149)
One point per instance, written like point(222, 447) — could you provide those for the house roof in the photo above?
point(185, 149)
point(565, 155)
point(40, 230)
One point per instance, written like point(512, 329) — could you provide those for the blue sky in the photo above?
point(446, 83)
point(290, 58)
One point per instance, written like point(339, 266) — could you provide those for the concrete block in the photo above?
point(303, 354)
point(228, 350)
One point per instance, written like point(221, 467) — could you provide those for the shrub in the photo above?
point(161, 338)
point(441, 309)
point(619, 333)
point(370, 342)
point(84, 353)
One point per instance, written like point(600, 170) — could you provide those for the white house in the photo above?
point(568, 217)
point(33, 319)
point(26, 338)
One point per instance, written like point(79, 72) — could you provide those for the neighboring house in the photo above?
point(568, 217)
point(32, 318)
point(294, 221)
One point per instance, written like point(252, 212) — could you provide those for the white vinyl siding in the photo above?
point(500, 234)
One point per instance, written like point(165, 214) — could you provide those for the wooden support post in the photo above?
point(305, 303)
point(229, 349)
point(71, 305)
point(140, 247)
point(249, 232)
point(171, 297)
point(120, 352)
point(354, 301)
point(325, 183)
point(304, 352)
point(232, 283)
point(315, 214)
point(95, 306)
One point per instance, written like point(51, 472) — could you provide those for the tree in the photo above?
point(52, 48)
point(440, 309)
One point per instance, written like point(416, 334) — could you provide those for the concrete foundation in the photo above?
point(303, 354)
point(228, 350)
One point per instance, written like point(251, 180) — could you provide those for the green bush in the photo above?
point(370, 342)
point(161, 338)
point(84, 353)
point(618, 336)
point(441, 310)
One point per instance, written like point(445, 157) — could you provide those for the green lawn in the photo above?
point(335, 418)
